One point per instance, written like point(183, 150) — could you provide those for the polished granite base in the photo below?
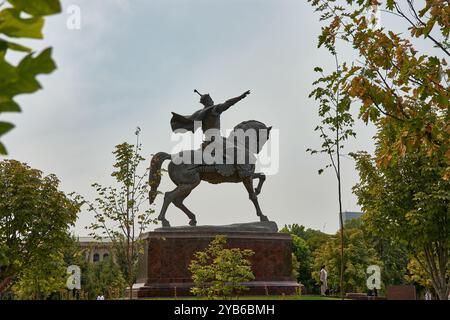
point(169, 251)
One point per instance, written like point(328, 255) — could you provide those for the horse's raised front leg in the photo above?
point(248, 183)
point(262, 178)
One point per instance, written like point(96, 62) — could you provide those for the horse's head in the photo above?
point(253, 134)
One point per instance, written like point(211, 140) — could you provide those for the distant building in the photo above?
point(350, 215)
point(95, 250)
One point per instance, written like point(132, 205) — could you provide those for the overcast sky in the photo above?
point(133, 62)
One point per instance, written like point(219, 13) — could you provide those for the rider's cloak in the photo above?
point(179, 122)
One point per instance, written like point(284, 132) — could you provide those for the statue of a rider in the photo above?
point(189, 167)
point(209, 116)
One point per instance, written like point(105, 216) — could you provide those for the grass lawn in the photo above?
point(287, 298)
point(257, 298)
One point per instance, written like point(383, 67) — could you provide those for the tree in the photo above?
point(358, 255)
point(314, 238)
point(404, 92)
point(41, 278)
point(35, 217)
point(408, 203)
point(220, 272)
point(303, 258)
point(119, 211)
point(295, 268)
point(103, 278)
point(98, 278)
point(394, 257)
point(392, 81)
point(21, 78)
point(418, 276)
point(335, 128)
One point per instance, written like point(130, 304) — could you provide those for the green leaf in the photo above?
point(4, 45)
point(8, 105)
point(12, 25)
point(42, 64)
point(3, 150)
point(37, 7)
point(318, 69)
point(7, 73)
point(27, 71)
point(428, 28)
point(390, 4)
point(18, 47)
point(5, 127)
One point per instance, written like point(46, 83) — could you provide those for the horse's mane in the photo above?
point(254, 124)
point(247, 125)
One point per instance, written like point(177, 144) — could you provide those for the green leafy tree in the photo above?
point(303, 259)
point(314, 238)
point(35, 217)
point(392, 81)
point(393, 255)
point(295, 268)
point(334, 129)
point(73, 254)
point(22, 19)
point(99, 278)
point(303, 254)
point(41, 279)
point(220, 272)
point(103, 278)
point(298, 230)
point(358, 255)
point(120, 211)
point(418, 276)
point(408, 203)
point(403, 90)
point(44, 279)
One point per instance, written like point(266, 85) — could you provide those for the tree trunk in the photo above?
point(437, 271)
point(130, 280)
point(443, 293)
point(338, 174)
point(130, 284)
point(341, 222)
point(441, 286)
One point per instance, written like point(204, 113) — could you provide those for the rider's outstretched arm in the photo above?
point(227, 104)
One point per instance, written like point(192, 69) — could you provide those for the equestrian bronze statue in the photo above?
point(233, 157)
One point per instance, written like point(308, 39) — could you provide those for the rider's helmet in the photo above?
point(205, 99)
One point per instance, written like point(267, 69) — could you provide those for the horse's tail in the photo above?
point(154, 177)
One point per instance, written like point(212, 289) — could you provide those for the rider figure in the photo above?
point(209, 116)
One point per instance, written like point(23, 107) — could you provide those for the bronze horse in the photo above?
point(188, 176)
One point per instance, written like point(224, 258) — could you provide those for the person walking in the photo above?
point(323, 281)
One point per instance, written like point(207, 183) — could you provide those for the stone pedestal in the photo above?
point(169, 251)
point(401, 292)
